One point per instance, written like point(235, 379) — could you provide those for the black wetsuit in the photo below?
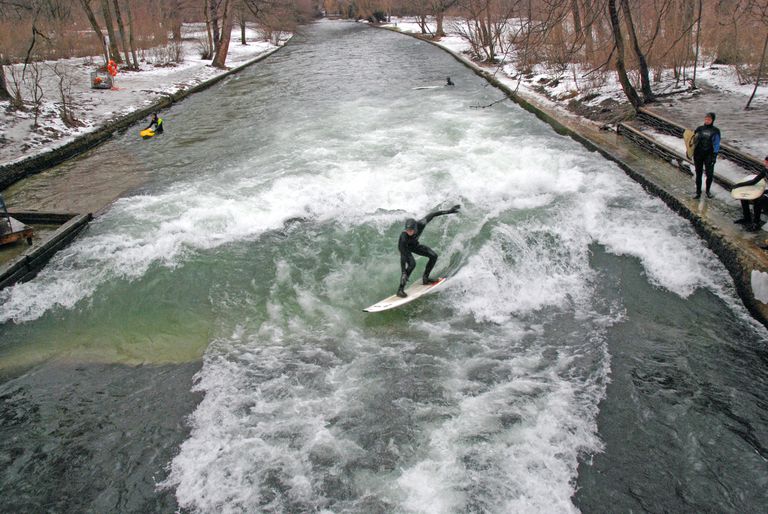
point(158, 123)
point(753, 222)
point(409, 245)
point(705, 150)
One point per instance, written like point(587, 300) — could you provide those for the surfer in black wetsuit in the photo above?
point(409, 244)
point(449, 82)
point(706, 147)
point(752, 223)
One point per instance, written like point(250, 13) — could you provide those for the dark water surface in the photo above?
point(201, 346)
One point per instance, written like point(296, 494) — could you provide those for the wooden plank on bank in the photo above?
point(28, 264)
point(13, 230)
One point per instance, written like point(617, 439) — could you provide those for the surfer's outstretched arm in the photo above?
point(757, 178)
point(432, 215)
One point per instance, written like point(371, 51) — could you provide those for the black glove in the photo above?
point(454, 209)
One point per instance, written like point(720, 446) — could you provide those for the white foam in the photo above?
point(506, 406)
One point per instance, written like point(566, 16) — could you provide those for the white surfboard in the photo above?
point(415, 291)
point(749, 192)
point(427, 87)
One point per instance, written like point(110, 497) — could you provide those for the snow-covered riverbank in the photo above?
point(134, 90)
point(598, 98)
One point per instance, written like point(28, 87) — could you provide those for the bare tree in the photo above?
point(15, 87)
point(4, 93)
point(760, 9)
point(65, 81)
point(621, 69)
point(86, 4)
point(208, 30)
point(36, 88)
point(590, 15)
point(439, 7)
point(121, 29)
point(213, 14)
point(172, 16)
point(698, 46)
point(483, 25)
point(113, 50)
point(728, 14)
point(131, 42)
point(645, 80)
point(759, 73)
point(241, 22)
point(222, 48)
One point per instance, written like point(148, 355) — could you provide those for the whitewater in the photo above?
point(271, 219)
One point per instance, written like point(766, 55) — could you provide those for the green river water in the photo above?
point(202, 347)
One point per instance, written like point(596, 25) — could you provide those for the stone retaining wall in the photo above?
point(11, 173)
point(28, 264)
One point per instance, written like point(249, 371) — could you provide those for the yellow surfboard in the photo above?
point(689, 143)
point(147, 133)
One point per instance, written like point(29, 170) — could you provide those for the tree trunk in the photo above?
point(226, 32)
point(577, 30)
point(489, 36)
point(621, 69)
point(86, 4)
point(589, 41)
point(113, 50)
point(4, 94)
point(439, 7)
point(172, 14)
point(645, 77)
point(696, 56)
point(759, 73)
point(206, 12)
point(242, 29)
point(727, 34)
point(121, 28)
point(130, 34)
point(214, 16)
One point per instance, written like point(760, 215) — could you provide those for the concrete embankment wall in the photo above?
point(11, 173)
point(745, 262)
point(27, 265)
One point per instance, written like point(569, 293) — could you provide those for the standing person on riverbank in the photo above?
point(706, 141)
point(752, 222)
point(408, 244)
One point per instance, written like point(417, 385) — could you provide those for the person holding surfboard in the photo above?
point(752, 223)
point(157, 122)
point(408, 244)
point(706, 146)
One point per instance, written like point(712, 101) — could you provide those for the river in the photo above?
point(202, 345)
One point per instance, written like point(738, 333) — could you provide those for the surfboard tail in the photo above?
point(415, 291)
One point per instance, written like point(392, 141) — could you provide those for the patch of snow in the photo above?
point(760, 286)
point(720, 90)
point(133, 90)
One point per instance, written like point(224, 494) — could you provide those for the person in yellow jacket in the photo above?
point(157, 122)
